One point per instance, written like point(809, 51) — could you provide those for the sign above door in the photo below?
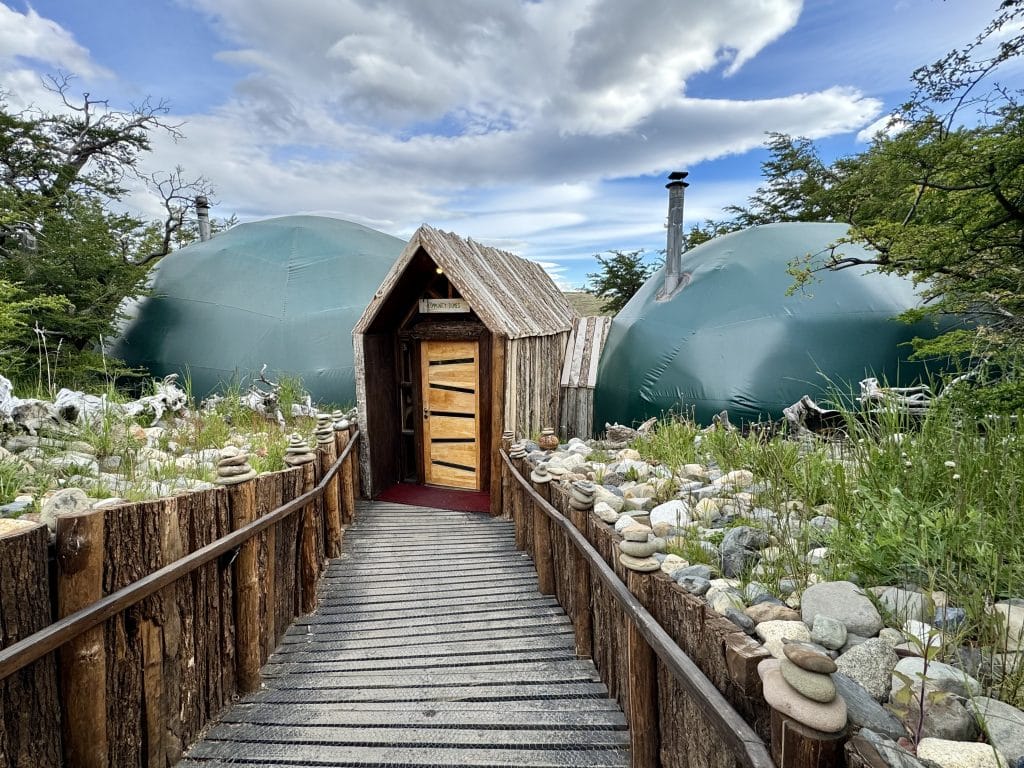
point(443, 306)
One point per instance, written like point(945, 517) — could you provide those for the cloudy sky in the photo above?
point(542, 126)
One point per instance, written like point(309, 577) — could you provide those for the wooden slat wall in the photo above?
point(579, 375)
point(377, 403)
point(532, 369)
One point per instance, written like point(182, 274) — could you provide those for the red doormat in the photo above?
point(437, 498)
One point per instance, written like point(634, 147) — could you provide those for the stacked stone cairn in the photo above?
point(233, 466)
point(581, 495)
point(637, 548)
point(799, 685)
point(324, 429)
point(298, 452)
point(340, 422)
point(517, 451)
point(540, 474)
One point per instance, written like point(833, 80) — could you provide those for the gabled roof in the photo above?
point(512, 296)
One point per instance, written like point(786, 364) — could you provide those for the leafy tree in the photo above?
point(798, 186)
point(622, 273)
point(938, 198)
point(17, 312)
point(59, 235)
point(708, 230)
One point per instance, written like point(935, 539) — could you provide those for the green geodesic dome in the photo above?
point(732, 339)
point(285, 292)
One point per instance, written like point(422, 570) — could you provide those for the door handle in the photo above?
point(426, 414)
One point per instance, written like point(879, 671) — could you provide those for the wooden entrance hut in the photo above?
point(459, 343)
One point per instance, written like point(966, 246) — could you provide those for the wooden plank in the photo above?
point(579, 349)
point(465, 717)
point(448, 400)
point(604, 324)
point(443, 425)
point(261, 755)
point(439, 737)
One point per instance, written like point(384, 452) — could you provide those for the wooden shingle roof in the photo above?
point(512, 296)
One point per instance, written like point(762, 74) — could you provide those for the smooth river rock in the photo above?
point(940, 676)
point(772, 633)
point(780, 695)
point(828, 632)
point(959, 754)
point(767, 611)
point(864, 712)
point(842, 600)
point(870, 664)
point(813, 685)
point(809, 658)
point(1003, 723)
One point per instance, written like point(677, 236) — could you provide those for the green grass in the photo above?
point(13, 477)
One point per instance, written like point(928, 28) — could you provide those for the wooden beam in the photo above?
point(542, 556)
point(83, 660)
point(642, 685)
point(242, 500)
point(497, 406)
point(794, 745)
point(332, 509)
point(309, 553)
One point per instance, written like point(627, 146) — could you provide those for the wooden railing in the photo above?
point(165, 611)
point(677, 716)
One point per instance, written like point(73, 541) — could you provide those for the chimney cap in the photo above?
point(676, 179)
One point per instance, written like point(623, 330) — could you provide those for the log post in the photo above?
point(332, 509)
point(83, 660)
point(642, 684)
point(496, 490)
point(242, 501)
point(794, 745)
point(161, 650)
point(357, 490)
point(542, 556)
point(516, 455)
point(581, 505)
point(309, 554)
point(347, 484)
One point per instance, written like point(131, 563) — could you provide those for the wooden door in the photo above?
point(451, 419)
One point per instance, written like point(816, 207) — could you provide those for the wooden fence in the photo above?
point(686, 680)
point(120, 646)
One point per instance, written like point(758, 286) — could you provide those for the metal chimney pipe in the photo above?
point(203, 215)
point(674, 249)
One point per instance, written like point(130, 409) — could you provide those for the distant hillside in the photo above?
point(586, 304)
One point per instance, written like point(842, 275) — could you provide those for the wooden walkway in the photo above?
point(430, 647)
